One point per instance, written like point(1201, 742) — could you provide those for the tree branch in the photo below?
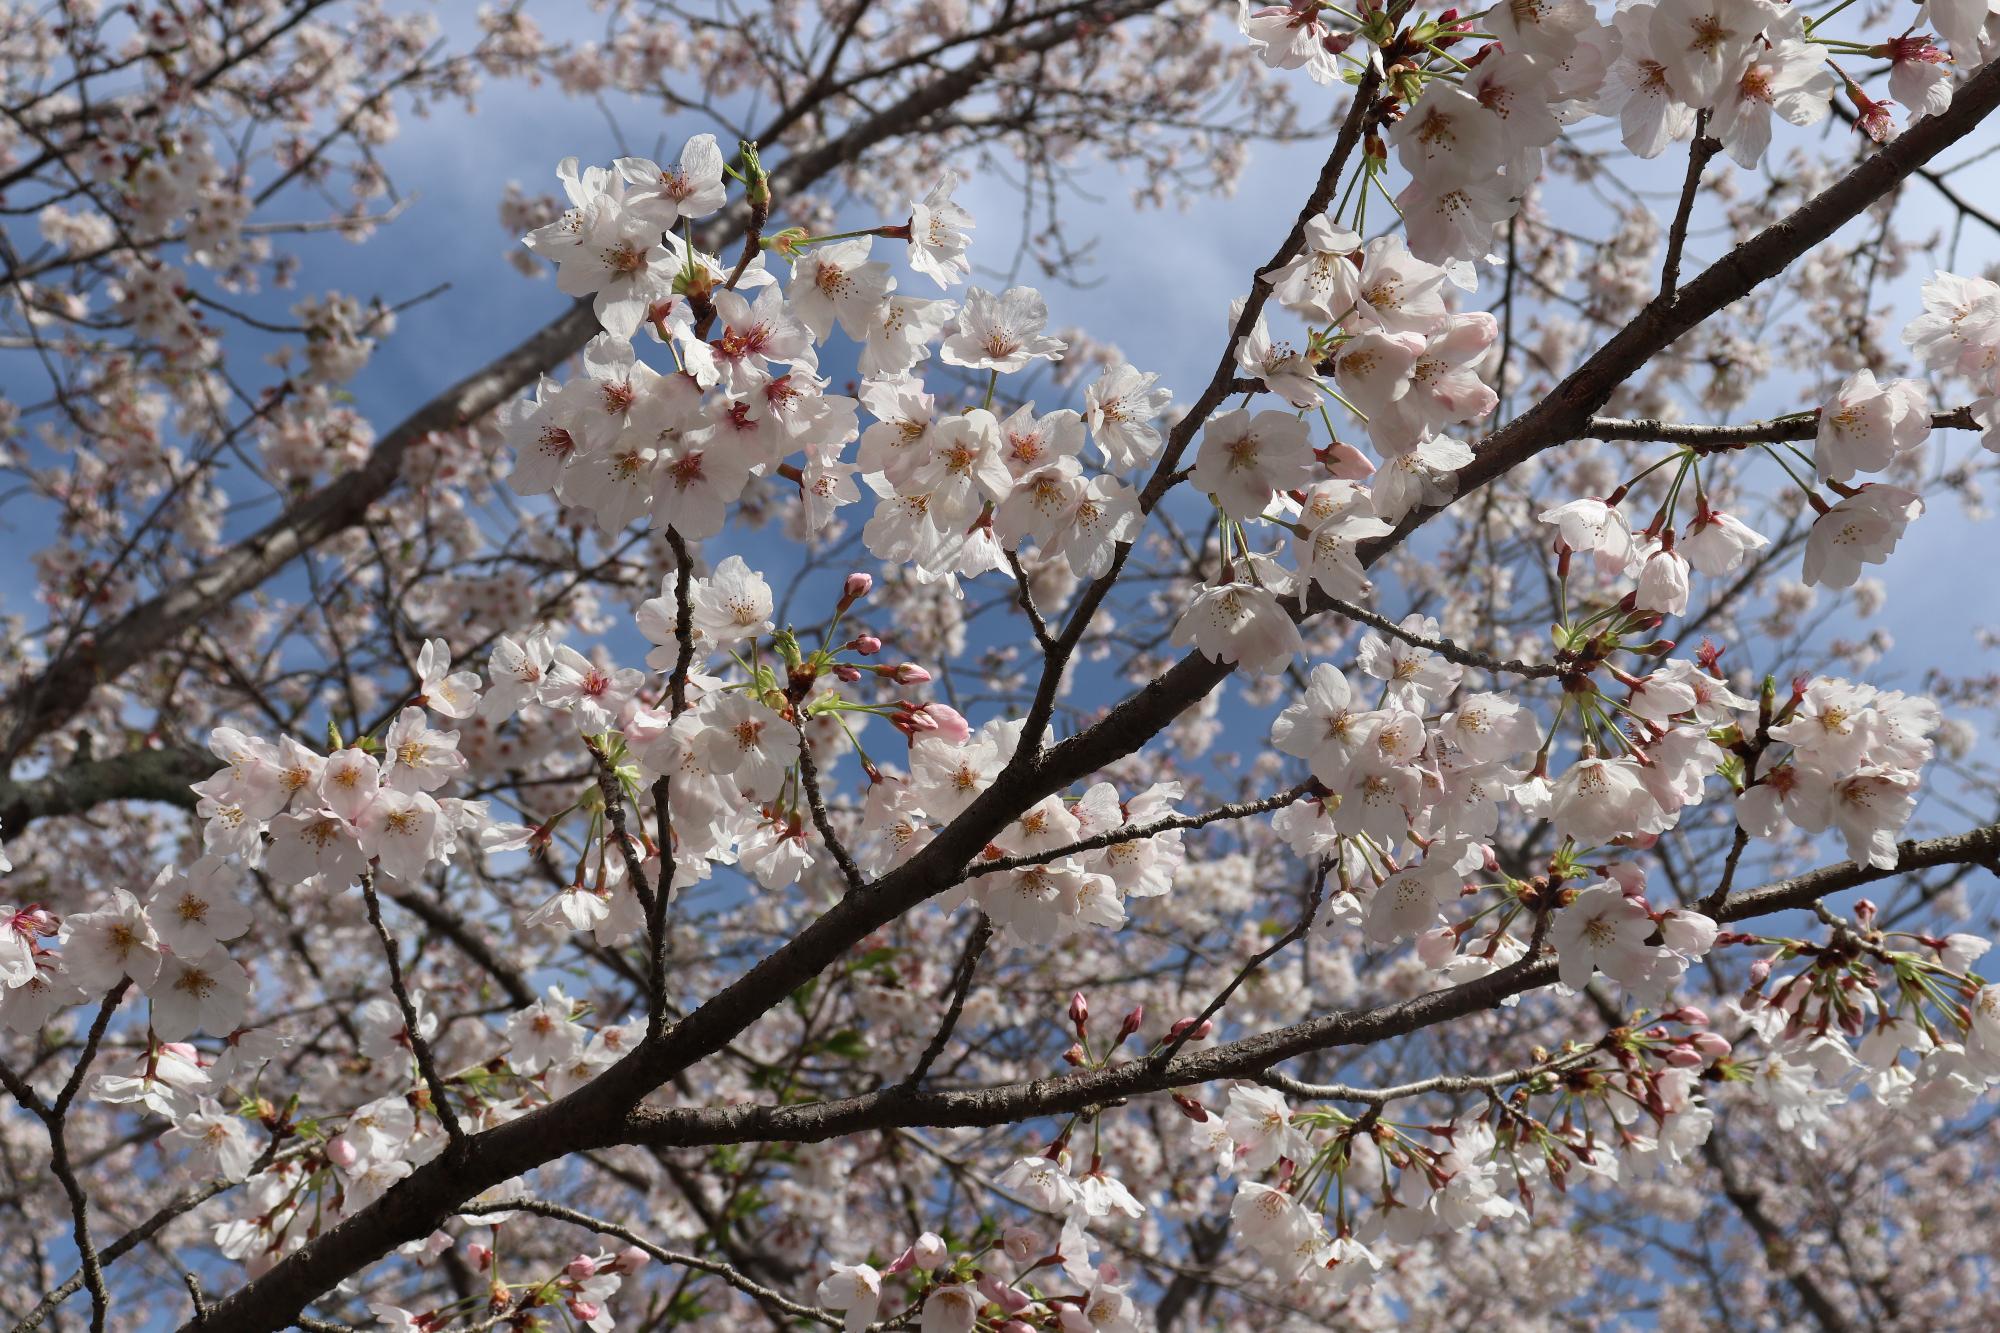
point(1798, 426)
point(1247, 1057)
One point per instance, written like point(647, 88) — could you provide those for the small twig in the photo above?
point(1443, 647)
point(1715, 439)
point(1161, 1058)
point(1342, 1092)
point(136, 1237)
point(1027, 600)
point(816, 802)
point(1699, 152)
point(656, 909)
point(53, 1118)
point(961, 983)
point(1140, 832)
point(605, 1227)
point(74, 1084)
point(614, 814)
point(426, 1065)
point(194, 1294)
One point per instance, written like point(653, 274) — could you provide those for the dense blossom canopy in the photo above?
point(812, 791)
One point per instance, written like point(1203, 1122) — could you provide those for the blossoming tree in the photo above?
point(803, 795)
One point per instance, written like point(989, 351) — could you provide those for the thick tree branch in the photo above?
point(1247, 1057)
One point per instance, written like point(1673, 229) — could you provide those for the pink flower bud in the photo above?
point(631, 1259)
point(847, 673)
point(1079, 1011)
point(1131, 1024)
point(858, 586)
point(1191, 1108)
point(1074, 1055)
point(1712, 1045)
point(340, 1152)
point(1200, 1033)
point(866, 644)
point(1687, 1013)
point(581, 1267)
point(1760, 971)
point(902, 1263)
point(1009, 1300)
point(585, 1311)
point(478, 1256)
point(930, 1251)
point(1682, 1057)
point(909, 673)
point(948, 722)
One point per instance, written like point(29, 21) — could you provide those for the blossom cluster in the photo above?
point(1511, 821)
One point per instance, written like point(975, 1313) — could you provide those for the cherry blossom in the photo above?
point(529, 849)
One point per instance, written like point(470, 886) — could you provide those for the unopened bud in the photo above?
point(1682, 1057)
point(1191, 1108)
point(756, 182)
point(1200, 1030)
point(1079, 1012)
point(1131, 1024)
point(858, 586)
point(581, 1267)
point(930, 1251)
point(1074, 1055)
point(944, 721)
point(1712, 1045)
point(1010, 1300)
